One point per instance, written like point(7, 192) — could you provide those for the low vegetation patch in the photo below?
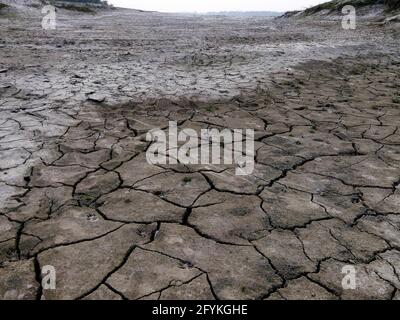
point(392, 4)
point(337, 5)
point(2, 6)
point(71, 7)
point(84, 6)
point(187, 179)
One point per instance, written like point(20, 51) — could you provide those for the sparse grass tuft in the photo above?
point(187, 179)
point(211, 108)
point(396, 100)
point(85, 199)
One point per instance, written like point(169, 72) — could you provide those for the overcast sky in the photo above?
point(216, 5)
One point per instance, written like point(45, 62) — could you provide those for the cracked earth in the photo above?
point(77, 193)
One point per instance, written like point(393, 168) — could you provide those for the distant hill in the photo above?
point(83, 6)
point(337, 5)
point(247, 13)
point(43, 2)
point(83, 1)
point(368, 8)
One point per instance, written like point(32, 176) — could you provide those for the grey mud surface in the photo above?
point(77, 193)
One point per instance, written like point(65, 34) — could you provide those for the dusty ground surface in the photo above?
point(77, 193)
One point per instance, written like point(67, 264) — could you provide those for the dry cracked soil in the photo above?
point(77, 193)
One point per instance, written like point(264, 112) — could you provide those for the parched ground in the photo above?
point(77, 193)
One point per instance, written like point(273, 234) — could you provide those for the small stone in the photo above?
point(96, 97)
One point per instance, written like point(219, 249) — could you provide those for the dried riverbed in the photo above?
point(77, 193)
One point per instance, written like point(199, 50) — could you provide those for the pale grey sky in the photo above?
point(216, 5)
